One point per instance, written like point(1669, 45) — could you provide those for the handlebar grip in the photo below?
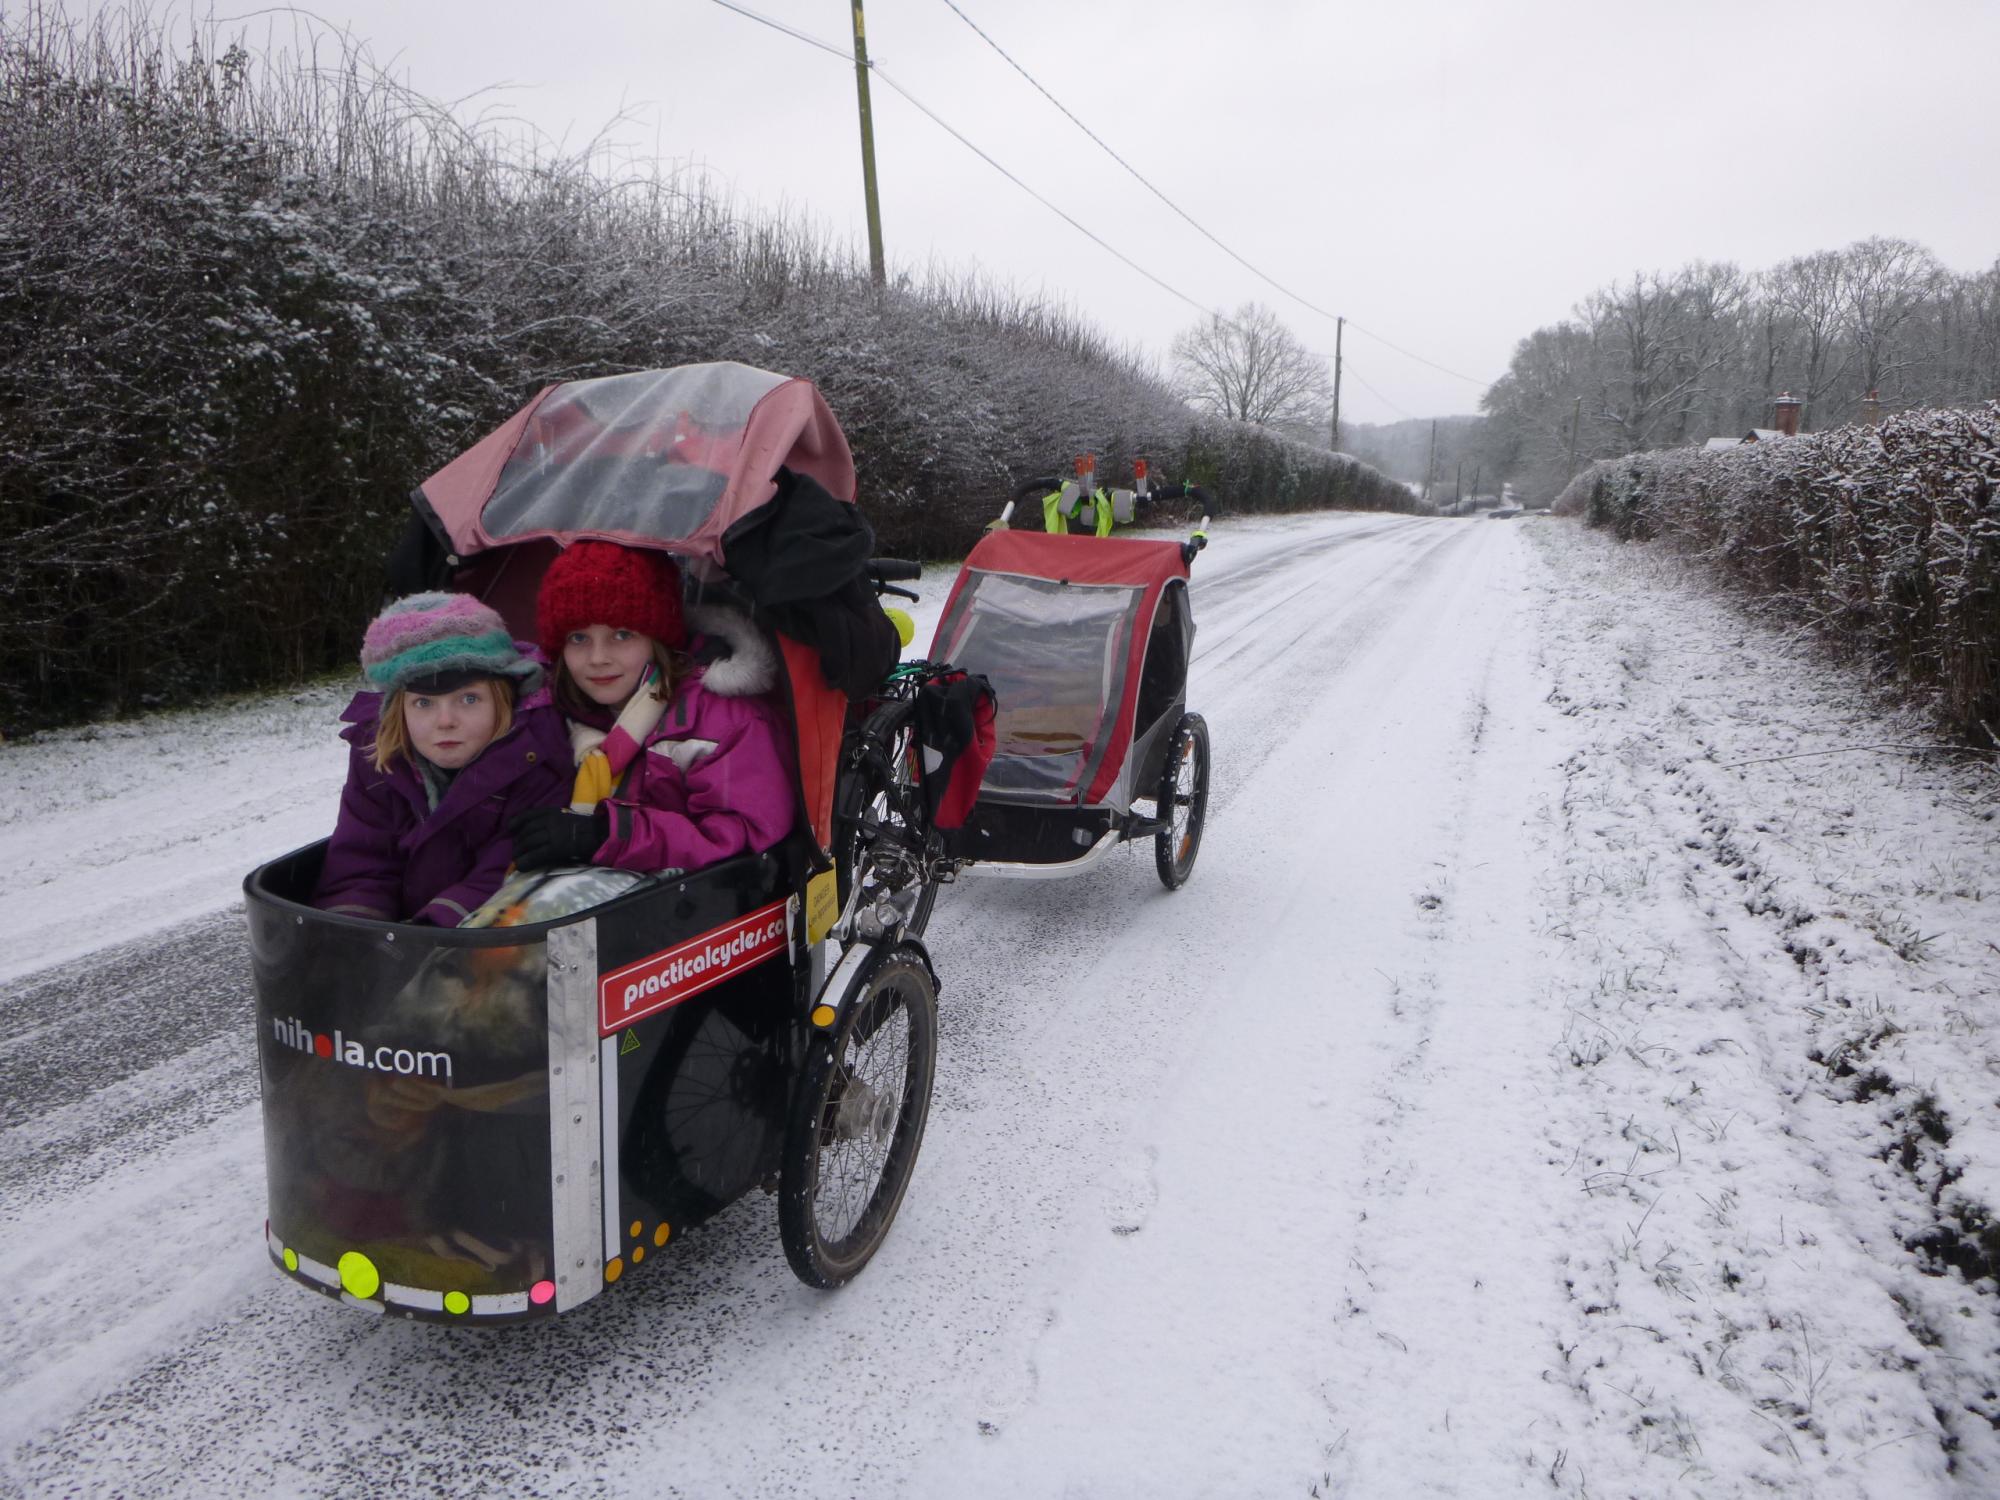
point(1029, 487)
point(887, 569)
point(1196, 492)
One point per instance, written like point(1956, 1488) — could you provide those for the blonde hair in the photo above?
point(671, 665)
point(392, 730)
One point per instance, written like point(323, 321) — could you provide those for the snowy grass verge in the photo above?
point(1751, 950)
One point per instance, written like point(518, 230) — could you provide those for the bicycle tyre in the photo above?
point(1182, 802)
point(856, 1123)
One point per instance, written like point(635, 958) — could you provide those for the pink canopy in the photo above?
point(661, 458)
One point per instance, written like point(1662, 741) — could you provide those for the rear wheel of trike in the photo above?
point(856, 1122)
point(1183, 802)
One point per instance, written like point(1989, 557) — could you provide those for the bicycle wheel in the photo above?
point(1183, 802)
point(881, 832)
point(856, 1122)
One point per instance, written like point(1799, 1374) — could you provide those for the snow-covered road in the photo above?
point(1527, 1092)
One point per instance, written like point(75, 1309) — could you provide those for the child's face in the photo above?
point(607, 663)
point(450, 729)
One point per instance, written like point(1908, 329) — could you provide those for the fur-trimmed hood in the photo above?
point(743, 663)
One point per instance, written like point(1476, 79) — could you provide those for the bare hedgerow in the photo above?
point(1886, 540)
point(247, 302)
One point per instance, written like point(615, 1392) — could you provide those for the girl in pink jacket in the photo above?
point(678, 765)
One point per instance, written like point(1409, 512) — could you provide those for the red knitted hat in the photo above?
point(602, 583)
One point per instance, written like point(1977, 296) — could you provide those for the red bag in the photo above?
point(955, 733)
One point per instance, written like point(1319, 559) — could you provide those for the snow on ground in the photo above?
point(1539, 1086)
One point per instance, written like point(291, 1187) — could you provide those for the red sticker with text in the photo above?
point(672, 975)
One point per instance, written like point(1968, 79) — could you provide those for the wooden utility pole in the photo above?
point(1477, 470)
point(1575, 416)
point(876, 271)
point(1339, 327)
point(1430, 469)
point(1458, 486)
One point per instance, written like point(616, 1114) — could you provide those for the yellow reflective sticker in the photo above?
point(822, 1016)
point(291, 1259)
point(358, 1276)
point(822, 905)
point(457, 1302)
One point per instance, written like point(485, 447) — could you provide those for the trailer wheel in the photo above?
point(856, 1122)
point(1183, 802)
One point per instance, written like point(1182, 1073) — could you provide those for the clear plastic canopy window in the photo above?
point(1056, 655)
point(647, 453)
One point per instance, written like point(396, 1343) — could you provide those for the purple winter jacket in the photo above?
point(716, 777)
point(394, 858)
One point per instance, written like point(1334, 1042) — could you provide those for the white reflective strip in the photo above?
point(363, 1303)
point(495, 1303)
point(277, 1246)
point(607, 1088)
point(325, 1275)
point(412, 1296)
point(577, 1188)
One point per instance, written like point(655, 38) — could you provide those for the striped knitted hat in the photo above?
point(436, 642)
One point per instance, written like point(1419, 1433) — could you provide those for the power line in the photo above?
point(875, 67)
point(1199, 227)
point(791, 31)
point(1137, 175)
point(1470, 380)
point(1355, 376)
point(1075, 224)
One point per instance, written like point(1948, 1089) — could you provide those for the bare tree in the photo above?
point(1250, 368)
point(1888, 282)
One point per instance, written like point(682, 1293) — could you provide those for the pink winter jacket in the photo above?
point(716, 777)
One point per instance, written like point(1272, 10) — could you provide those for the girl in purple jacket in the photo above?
point(678, 765)
point(458, 737)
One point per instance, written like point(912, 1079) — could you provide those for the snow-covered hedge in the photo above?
point(1887, 538)
point(246, 305)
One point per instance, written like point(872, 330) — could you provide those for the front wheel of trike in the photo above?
point(1183, 802)
point(856, 1122)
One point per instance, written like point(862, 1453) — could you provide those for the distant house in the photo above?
point(1784, 411)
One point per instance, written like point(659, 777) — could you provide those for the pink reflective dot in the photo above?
point(541, 1292)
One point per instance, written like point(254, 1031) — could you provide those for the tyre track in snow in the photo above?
point(201, 1369)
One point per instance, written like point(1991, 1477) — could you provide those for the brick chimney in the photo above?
point(1785, 414)
point(1871, 409)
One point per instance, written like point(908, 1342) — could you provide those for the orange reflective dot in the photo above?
point(638, 1254)
point(660, 1235)
point(633, 1232)
point(613, 1269)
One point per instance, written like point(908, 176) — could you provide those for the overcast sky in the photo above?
point(1450, 174)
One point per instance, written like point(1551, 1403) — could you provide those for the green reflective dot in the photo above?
point(358, 1275)
point(456, 1302)
point(291, 1259)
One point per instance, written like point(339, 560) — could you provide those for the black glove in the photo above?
point(548, 837)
